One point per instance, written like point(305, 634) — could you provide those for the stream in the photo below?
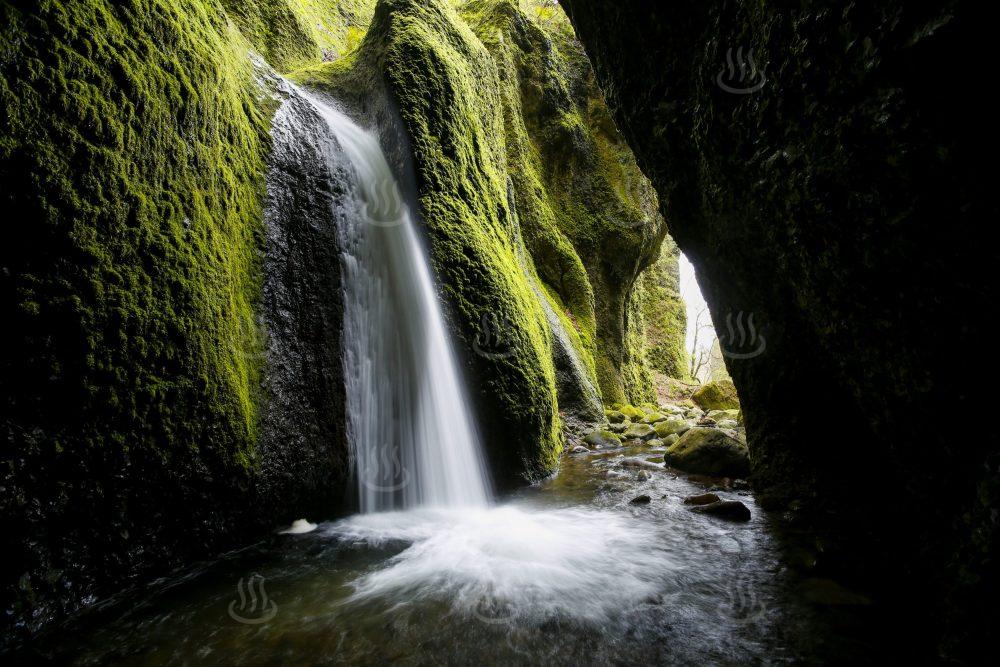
point(563, 572)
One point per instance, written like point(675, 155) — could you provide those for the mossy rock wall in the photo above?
point(135, 376)
point(837, 194)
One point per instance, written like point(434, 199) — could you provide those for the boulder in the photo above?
point(602, 440)
point(728, 424)
point(632, 412)
point(702, 499)
point(671, 439)
point(640, 431)
point(640, 500)
point(618, 428)
point(653, 417)
point(672, 425)
point(726, 509)
point(717, 395)
point(709, 451)
point(614, 416)
point(719, 415)
point(655, 442)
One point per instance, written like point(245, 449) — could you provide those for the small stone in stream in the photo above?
point(728, 423)
point(702, 499)
point(639, 463)
point(602, 439)
point(741, 485)
point(653, 417)
point(725, 509)
point(580, 449)
point(644, 476)
point(671, 439)
point(706, 421)
point(641, 431)
point(640, 500)
point(618, 428)
point(614, 416)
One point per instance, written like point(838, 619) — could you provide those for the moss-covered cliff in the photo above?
point(133, 151)
point(527, 192)
point(170, 380)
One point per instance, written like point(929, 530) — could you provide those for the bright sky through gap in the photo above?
point(695, 302)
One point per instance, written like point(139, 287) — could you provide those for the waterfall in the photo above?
point(409, 424)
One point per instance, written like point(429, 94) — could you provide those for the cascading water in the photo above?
point(409, 421)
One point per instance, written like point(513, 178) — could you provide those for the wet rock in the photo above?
point(614, 417)
point(633, 462)
point(674, 409)
point(640, 431)
point(580, 449)
point(733, 510)
point(632, 412)
point(640, 500)
point(655, 442)
point(602, 440)
point(618, 428)
point(728, 424)
point(671, 439)
point(709, 451)
point(644, 476)
point(653, 417)
point(672, 425)
point(702, 499)
point(717, 395)
point(706, 421)
point(719, 415)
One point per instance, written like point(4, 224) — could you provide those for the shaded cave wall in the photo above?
point(840, 202)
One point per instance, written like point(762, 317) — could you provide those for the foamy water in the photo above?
point(512, 561)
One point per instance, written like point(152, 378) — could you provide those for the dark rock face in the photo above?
point(834, 194)
point(303, 443)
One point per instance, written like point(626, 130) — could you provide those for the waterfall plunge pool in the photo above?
point(563, 572)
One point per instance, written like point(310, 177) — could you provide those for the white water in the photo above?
point(409, 421)
point(417, 449)
point(512, 562)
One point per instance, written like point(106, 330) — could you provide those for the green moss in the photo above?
point(717, 395)
point(134, 144)
point(664, 314)
point(290, 34)
point(446, 87)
